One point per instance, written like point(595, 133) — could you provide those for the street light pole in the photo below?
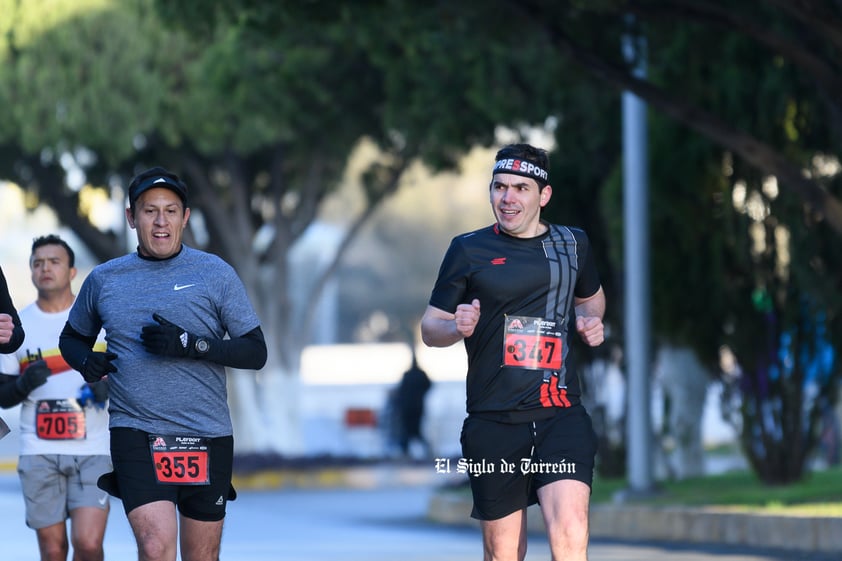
point(637, 305)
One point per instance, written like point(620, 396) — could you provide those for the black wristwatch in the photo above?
point(201, 345)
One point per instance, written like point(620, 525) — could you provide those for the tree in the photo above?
point(260, 126)
point(763, 99)
point(747, 236)
point(589, 34)
point(105, 89)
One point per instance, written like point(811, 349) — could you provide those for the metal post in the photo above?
point(637, 307)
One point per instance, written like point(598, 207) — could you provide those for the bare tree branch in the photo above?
point(389, 187)
point(49, 185)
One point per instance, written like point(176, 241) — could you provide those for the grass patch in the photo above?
point(819, 492)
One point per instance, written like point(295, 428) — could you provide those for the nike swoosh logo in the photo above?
point(182, 286)
point(103, 499)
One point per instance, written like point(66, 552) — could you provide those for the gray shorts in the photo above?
point(55, 484)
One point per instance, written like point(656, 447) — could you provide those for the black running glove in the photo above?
point(168, 339)
point(100, 391)
point(93, 394)
point(35, 375)
point(97, 365)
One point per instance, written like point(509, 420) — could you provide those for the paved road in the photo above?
point(385, 524)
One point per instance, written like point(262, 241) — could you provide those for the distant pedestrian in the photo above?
point(829, 436)
point(390, 423)
point(411, 393)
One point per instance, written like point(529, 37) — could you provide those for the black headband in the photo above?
point(521, 167)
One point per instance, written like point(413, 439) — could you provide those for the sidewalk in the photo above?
point(675, 524)
point(367, 475)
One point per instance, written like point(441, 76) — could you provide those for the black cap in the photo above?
point(153, 178)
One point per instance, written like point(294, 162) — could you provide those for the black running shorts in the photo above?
point(133, 479)
point(508, 463)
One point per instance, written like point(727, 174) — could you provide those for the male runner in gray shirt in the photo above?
point(166, 311)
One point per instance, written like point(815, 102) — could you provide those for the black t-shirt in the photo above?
point(518, 281)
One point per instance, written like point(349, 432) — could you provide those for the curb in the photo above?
point(710, 525)
point(352, 477)
point(362, 477)
point(677, 524)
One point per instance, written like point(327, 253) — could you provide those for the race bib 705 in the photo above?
point(60, 419)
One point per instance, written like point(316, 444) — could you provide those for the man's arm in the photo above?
point(247, 352)
point(14, 389)
point(438, 328)
point(77, 351)
point(9, 394)
point(11, 333)
point(589, 314)
point(165, 338)
point(75, 347)
point(592, 306)
point(11, 330)
point(442, 329)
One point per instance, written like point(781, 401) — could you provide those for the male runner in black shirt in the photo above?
point(508, 290)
